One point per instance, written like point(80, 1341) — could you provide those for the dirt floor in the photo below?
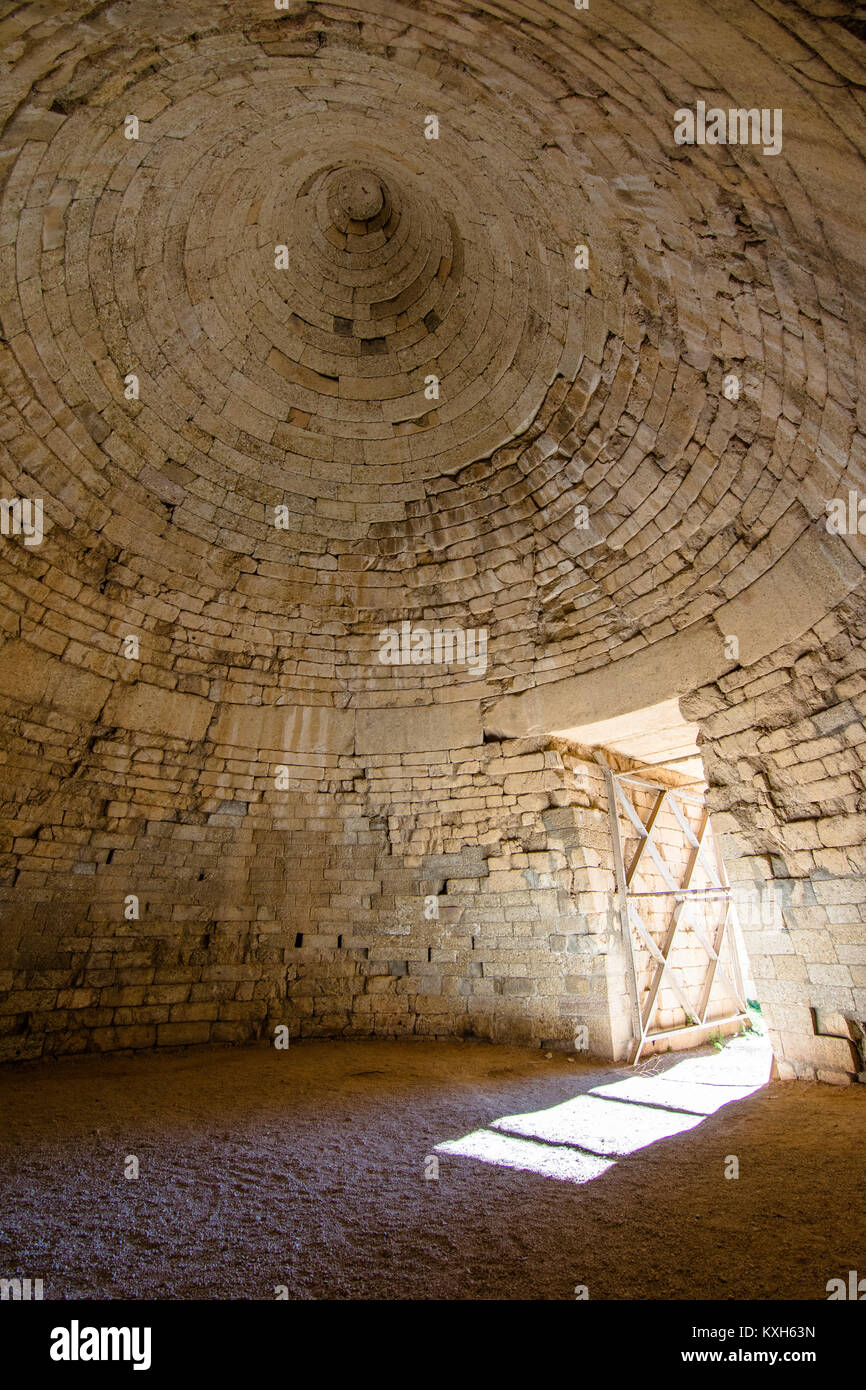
point(306, 1169)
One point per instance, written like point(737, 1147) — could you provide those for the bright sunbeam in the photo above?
point(578, 1139)
point(691, 1097)
point(599, 1126)
point(506, 1151)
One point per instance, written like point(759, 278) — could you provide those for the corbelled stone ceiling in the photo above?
point(306, 387)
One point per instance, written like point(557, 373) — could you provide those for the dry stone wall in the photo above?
point(329, 334)
point(784, 746)
point(389, 896)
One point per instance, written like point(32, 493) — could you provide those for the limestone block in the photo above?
point(151, 709)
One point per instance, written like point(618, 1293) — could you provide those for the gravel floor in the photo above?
point(306, 1169)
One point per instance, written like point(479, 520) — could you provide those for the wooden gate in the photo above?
point(676, 910)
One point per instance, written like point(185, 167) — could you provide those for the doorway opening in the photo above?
point(673, 908)
point(686, 961)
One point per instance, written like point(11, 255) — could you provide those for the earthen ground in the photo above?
point(306, 1169)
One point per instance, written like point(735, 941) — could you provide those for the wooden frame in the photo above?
point(703, 851)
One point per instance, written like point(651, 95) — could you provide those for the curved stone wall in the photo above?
point(320, 321)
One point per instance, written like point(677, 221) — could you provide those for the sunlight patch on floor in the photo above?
point(579, 1139)
point(599, 1126)
point(507, 1151)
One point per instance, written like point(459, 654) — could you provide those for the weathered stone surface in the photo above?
point(430, 727)
point(150, 709)
point(35, 679)
point(298, 729)
point(375, 387)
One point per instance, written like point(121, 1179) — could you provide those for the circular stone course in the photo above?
point(360, 194)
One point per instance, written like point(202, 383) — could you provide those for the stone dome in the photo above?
point(324, 319)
